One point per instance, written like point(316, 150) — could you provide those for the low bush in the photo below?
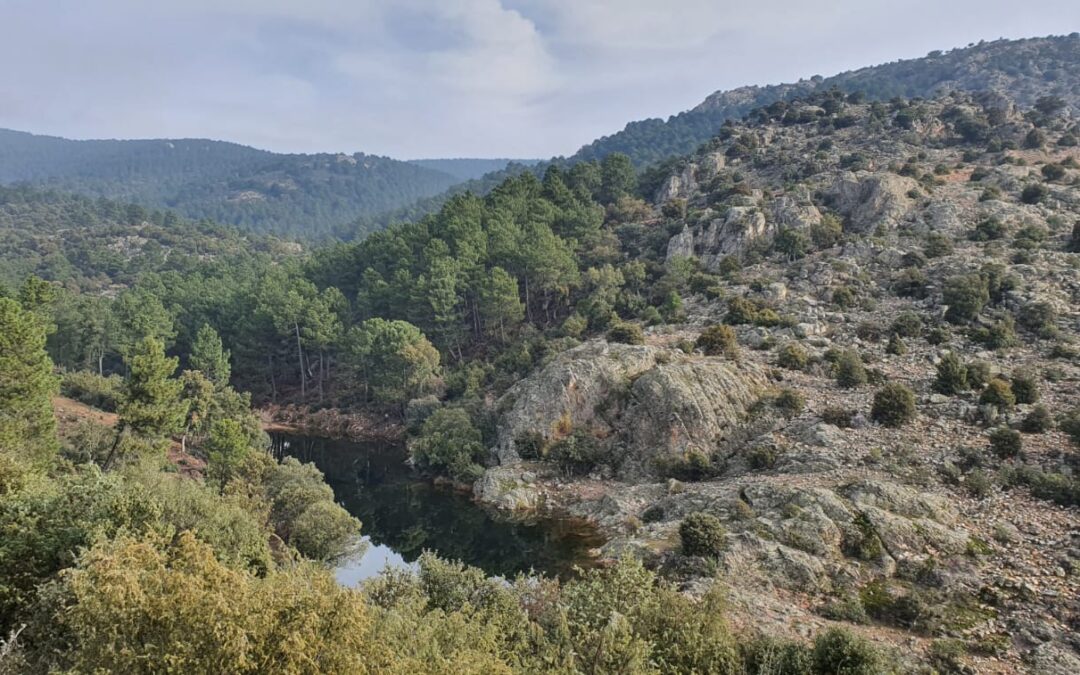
point(1038, 421)
point(577, 454)
point(952, 375)
point(850, 372)
point(1025, 386)
point(793, 357)
point(837, 416)
point(718, 340)
point(998, 393)
point(92, 389)
point(790, 403)
point(894, 405)
point(1005, 443)
point(908, 325)
point(840, 651)
point(626, 333)
point(702, 534)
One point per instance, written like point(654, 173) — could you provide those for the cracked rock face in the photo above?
point(869, 201)
point(645, 403)
point(675, 407)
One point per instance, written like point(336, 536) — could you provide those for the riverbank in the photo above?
point(331, 423)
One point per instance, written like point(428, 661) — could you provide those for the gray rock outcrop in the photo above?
point(644, 403)
point(872, 200)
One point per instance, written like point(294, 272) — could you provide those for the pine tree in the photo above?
point(209, 356)
point(151, 405)
point(27, 384)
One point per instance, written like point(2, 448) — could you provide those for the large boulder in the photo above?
point(872, 200)
point(642, 403)
point(566, 393)
point(677, 406)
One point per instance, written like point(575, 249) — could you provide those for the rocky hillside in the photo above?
point(298, 195)
point(1025, 69)
point(873, 392)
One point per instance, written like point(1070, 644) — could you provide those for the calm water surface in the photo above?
point(403, 516)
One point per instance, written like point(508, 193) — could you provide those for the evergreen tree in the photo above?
point(500, 304)
point(151, 404)
point(617, 178)
point(393, 359)
point(27, 384)
point(210, 357)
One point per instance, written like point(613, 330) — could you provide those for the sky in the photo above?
point(444, 78)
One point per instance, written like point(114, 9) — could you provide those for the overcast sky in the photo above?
point(444, 78)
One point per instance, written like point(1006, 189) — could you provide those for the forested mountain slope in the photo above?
point(298, 195)
point(1022, 69)
point(825, 368)
point(469, 169)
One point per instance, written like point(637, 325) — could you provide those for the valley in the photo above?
point(788, 383)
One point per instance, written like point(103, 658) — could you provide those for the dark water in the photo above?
point(403, 515)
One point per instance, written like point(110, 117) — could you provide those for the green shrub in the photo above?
point(530, 445)
point(896, 346)
point(841, 652)
point(1070, 424)
point(938, 245)
point(828, 232)
point(577, 454)
point(844, 297)
point(894, 405)
point(966, 295)
point(449, 444)
point(1074, 239)
point(792, 356)
point(979, 483)
point(1040, 318)
point(850, 372)
point(978, 374)
point(989, 229)
point(998, 393)
point(702, 534)
point(792, 243)
point(845, 608)
point(908, 325)
point(1053, 171)
point(952, 375)
point(837, 416)
point(741, 311)
point(1034, 193)
point(626, 333)
point(92, 389)
point(947, 656)
point(1056, 487)
point(790, 403)
point(1038, 421)
point(693, 465)
point(938, 335)
point(910, 283)
point(1005, 443)
point(718, 340)
point(1001, 334)
point(1025, 387)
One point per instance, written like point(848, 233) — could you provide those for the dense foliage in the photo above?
point(298, 195)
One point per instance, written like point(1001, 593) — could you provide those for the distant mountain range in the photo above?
point(470, 169)
point(285, 194)
point(338, 195)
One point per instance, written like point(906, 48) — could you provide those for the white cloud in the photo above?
point(442, 77)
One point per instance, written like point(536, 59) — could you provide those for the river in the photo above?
point(403, 515)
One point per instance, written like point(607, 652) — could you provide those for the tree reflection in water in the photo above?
point(404, 515)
